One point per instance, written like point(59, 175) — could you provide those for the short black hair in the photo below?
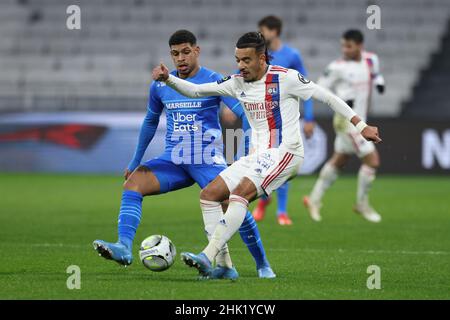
point(182, 36)
point(353, 35)
point(272, 23)
point(254, 40)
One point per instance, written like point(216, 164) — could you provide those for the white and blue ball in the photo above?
point(157, 253)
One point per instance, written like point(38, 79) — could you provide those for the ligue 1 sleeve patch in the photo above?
point(223, 79)
point(303, 79)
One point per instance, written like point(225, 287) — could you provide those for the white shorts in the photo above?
point(353, 143)
point(268, 170)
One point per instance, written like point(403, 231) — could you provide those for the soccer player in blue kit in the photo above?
point(285, 56)
point(193, 154)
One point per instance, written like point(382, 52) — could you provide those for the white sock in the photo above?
point(212, 212)
point(227, 227)
point(327, 176)
point(223, 258)
point(366, 176)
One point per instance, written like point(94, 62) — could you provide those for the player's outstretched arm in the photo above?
point(189, 89)
point(339, 106)
point(148, 130)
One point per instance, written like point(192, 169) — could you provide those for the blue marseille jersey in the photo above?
point(192, 123)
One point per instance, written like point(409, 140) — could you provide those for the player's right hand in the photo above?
point(160, 73)
point(127, 173)
point(371, 133)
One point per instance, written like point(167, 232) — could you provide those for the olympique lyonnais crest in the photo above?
point(272, 88)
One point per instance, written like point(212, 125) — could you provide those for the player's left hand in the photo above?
point(308, 128)
point(371, 133)
point(160, 73)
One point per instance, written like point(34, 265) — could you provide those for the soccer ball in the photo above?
point(157, 253)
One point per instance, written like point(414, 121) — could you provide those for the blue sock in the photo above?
point(250, 235)
point(282, 193)
point(129, 216)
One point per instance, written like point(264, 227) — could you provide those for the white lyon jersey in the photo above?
point(271, 106)
point(353, 82)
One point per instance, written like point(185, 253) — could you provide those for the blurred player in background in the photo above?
point(185, 116)
point(285, 56)
point(352, 78)
point(270, 96)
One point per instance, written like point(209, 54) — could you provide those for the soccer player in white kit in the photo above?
point(270, 97)
point(352, 78)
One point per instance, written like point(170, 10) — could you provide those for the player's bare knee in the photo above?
point(372, 160)
point(249, 196)
point(203, 194)
point(132, 183)
point(139, 181)
point(375, 164)
point(245, 189)
point(216, 190)
point(208, 193)
point(338, 161)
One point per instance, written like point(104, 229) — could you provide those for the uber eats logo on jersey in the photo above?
point(303, 79)
point(181, 122)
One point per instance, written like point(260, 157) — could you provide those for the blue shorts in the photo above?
point(173, 176)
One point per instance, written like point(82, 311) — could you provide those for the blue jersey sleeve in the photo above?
point(154, 101)
point(297, 64)
point(148, 128)
point(308, 110)
point(234, 105)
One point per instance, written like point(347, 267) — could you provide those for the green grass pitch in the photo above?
point(48, 223)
